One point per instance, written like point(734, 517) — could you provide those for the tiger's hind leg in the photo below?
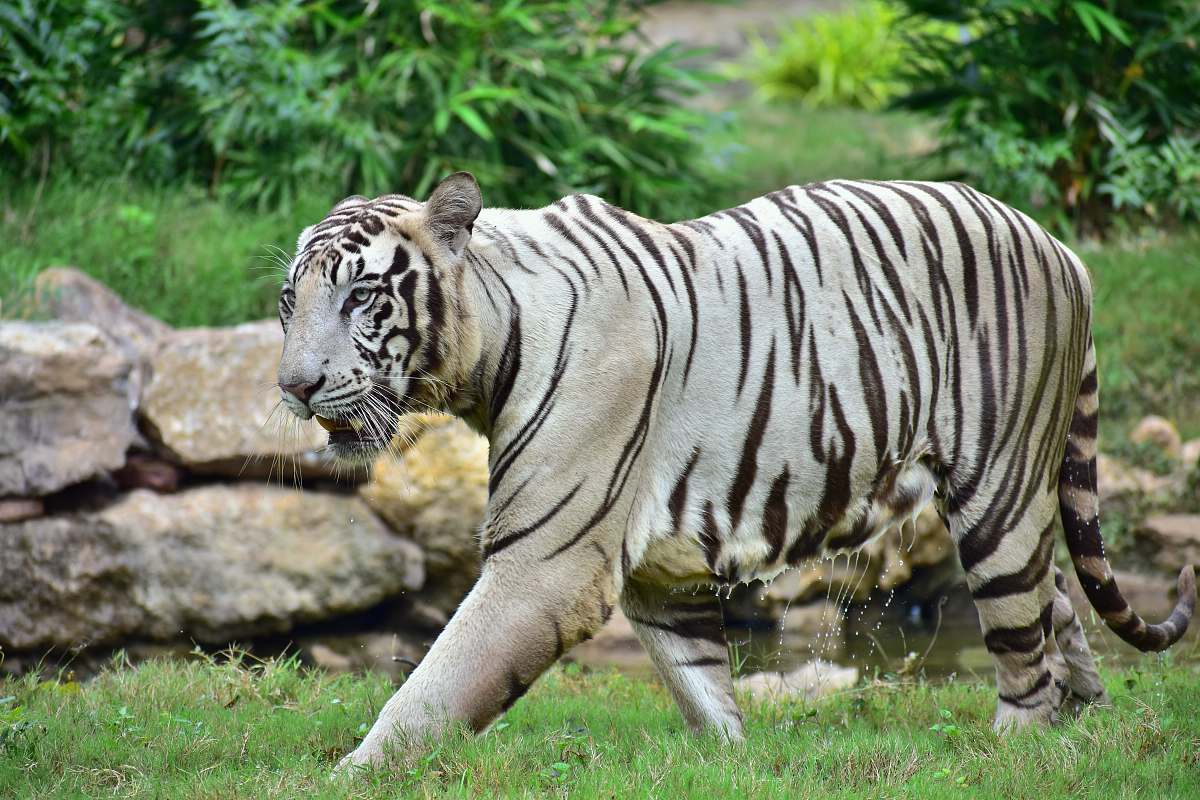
point(684, 635)
point(1082, 676)
point(1008, 566)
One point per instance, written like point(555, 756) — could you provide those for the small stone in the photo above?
point(821, 618)
point(807, 682)
point(16, 509)
point(1118, 481)
point(1190, 455)
point(394, 654)
point(1160, 432)
point(145, 471)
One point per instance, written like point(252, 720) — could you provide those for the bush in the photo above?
point(850, 58)
point(1073, 110)
point(259, 101)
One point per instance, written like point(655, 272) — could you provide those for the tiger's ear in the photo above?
point(451, 210)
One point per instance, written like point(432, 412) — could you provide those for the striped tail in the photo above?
point(1080, 505)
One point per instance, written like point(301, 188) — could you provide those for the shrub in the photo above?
point(851, 58)
point(259, 101)
point(1072, 109)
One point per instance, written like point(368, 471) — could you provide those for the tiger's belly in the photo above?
point(705, 549)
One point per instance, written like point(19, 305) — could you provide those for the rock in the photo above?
point(807, 682)
point(67, 294)
point(820, 619)
point(1189, 454)
point(144, 471)
point(1119, 482)
point(435, 493)
point(66, 406)
point(1160, 432)
point(1169, 541)
point(1151, 596)
point(213, 406)
point(393, 654)
point(884, 563)
point(212, 563)
point(614, 646)
point(16, 509)
point(817, 628)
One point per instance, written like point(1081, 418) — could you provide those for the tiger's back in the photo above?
point(836, 354)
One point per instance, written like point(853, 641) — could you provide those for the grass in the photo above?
point(1147, 331)
point(173, 252)
point(202, 729)
point(773, 146)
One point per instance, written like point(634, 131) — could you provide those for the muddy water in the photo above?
point(937, 639)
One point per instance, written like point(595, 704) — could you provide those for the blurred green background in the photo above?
point(171, 148)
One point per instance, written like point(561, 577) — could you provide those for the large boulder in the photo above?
point(1169, 541)
point(67, 294)
point(212, 563)
point(435, 492)
point(213, 406)
point(66, 405)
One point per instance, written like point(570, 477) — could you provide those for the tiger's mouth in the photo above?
point(356, 439)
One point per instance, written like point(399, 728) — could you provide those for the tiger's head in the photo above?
point(371, 312)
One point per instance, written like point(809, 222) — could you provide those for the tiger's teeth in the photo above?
point(327, 424)
point(356, 425)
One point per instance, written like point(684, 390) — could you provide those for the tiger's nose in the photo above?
point(302, 391)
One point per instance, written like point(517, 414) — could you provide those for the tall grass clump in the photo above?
point(854, 58)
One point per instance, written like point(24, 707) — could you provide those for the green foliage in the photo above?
point(260, 101)
point(175, 253)
point(1145, 322)
point(1074, 110)
point(850, 58)
point(239, 729)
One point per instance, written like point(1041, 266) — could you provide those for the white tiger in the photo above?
point(710, 402)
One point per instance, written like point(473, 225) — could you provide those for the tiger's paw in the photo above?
point(1012, 718)
point(360, 760)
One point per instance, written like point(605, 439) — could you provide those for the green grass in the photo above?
point(184, 258)
point(1147, 331)
point(198, 729)
point(773, 146)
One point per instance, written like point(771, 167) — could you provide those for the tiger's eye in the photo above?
point(361, 294)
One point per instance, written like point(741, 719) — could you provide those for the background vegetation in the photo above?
point(259, 102)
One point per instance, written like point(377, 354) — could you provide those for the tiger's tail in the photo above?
point(1080, 505)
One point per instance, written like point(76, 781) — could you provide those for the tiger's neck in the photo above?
point(497, 337)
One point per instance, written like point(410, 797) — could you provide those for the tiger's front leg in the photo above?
point(523, 613)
